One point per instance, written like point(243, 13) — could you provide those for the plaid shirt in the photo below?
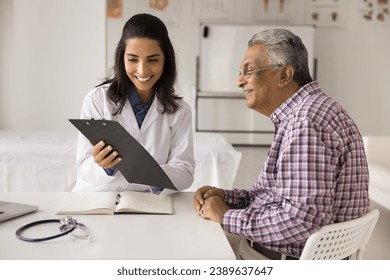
point(316, 173)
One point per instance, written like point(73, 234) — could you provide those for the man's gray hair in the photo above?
point(284, 47)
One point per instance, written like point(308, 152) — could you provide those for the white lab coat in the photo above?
point(167, 137)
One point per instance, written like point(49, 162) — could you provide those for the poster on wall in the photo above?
point(216, 10)
point(114, 8)
point(167, 10)
point(326, 13)
point(272, 10)
point(375, 11)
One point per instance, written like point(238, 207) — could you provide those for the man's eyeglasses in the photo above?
point(247, 73)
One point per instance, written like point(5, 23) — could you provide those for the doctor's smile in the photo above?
point(142, 79)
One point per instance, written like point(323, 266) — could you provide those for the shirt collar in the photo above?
point(287, 107)
point(134, 99)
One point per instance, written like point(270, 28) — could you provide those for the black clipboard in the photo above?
point(137, 165)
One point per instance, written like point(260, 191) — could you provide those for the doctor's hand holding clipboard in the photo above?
point(139, 96)
point(105, 156)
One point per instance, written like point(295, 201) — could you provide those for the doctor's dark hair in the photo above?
point(284, 47)
point(150, 27)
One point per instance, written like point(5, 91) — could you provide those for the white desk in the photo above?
point(183, 235)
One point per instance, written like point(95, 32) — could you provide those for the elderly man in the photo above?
point(316, 171)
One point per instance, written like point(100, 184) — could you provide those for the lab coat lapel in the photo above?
point(131, 122)
point(154, 111)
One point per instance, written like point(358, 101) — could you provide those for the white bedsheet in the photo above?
point(45, 161)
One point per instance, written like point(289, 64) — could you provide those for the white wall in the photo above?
point(354, 69)
point(6, 38)
point(353, 59)
point(60, 51)
point(54, 53)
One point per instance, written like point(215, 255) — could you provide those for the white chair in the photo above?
point(341, 240)
point(331, 242)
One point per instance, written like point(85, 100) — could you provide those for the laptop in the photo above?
point(10, 210)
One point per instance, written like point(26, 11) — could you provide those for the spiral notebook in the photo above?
point(137, 165)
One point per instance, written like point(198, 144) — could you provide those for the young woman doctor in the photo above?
point(140, 96)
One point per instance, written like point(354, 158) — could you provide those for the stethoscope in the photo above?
point(68, 226)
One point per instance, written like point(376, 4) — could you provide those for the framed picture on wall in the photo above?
point(114, 8)
point(326, 13)
point(273, 10)
point(215, 10)
point(167, 10)
point(376, 12)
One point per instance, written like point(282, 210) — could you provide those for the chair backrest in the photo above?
point(340, 240)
